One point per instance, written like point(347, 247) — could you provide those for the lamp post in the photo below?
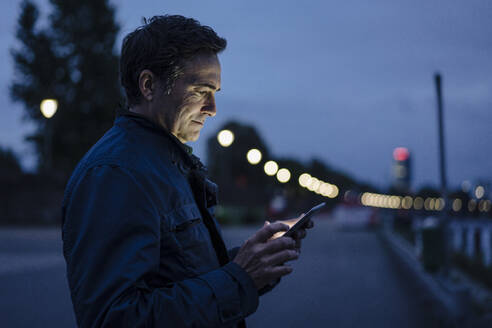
point(48, 109)
point(442, 157)
point(442, 171)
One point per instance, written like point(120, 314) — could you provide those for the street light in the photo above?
point(283, 175)
point(48, 109)
point(334, 192)
point(271, 168)
point(253, 156)
point(225, 138)
point(304, 180)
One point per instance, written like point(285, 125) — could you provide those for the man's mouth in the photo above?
point(197, 122)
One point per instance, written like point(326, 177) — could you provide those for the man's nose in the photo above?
point(209, 107)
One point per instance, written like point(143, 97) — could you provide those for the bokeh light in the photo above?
point(418, 203)
point(48, 107)
point(225, 138)
point(304, 180)
point(253, 156)
point(407, 202)
point(440, 204)
point(479, 192)
point(283, 175)
point(271, 168)
point(457, 204)
point(334, 192)
point(472, 205)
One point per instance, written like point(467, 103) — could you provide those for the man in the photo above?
point(141, 243)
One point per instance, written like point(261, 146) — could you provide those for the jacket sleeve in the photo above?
point(232, 254)
point(111, 242)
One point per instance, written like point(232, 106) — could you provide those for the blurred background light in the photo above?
point(283, 175)
point(472, 205)
point(440, 204)
point(334, 192)
point(271, 168)
point(401, 154)
point(479, 192)
point(48, 107)
point(225, 138)
point(313, 184)
point(457, 204)
point(418, 203)
point(407, 202)
point(253, 156)
point(395, 202)
point(487, 206)
point(304, 180)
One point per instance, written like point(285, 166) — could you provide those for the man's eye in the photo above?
point(202, 92)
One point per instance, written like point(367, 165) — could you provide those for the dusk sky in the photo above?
point(343, 81)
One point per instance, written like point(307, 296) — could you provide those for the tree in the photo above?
point(9, 164)
point(73, 61)
point(240, 183)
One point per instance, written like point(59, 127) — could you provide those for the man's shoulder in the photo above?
point(126, 147)
point(115, 147)
point(137, 153)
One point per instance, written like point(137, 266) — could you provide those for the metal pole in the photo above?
point(48, 139)
point(442, 157)
point(442, 166)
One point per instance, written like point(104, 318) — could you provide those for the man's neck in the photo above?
point(144, 111)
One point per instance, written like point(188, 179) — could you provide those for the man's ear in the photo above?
point(147, 84)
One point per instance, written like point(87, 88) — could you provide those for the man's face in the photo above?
point(192, 99)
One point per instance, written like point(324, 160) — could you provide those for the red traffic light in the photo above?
point(401, 154)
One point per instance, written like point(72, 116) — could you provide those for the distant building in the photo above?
point(401, 171)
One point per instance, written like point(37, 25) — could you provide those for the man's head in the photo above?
point(170, 72)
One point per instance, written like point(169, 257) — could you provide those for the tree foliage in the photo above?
point(240, 183)
point(71, 59)
point(9, 164)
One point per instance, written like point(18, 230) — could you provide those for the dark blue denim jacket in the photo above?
point(137, 250)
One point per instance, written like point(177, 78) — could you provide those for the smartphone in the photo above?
point(303, 220)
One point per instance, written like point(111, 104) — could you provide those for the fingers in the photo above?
point(279, 271)
point(299, 234)
point(268, 231)
point(277, 245)
point(282, 257)
point(298, 246)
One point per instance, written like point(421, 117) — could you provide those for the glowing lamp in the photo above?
point(304, 180)
point(457, 203)
point(48, 107)
point(479, 192)
point(253, 156)
point(225, 138)
point(271, 168)
point(401, 154)
point(283, 175)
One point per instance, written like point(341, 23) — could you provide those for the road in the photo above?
point(342, 279)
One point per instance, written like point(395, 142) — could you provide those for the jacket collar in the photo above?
point(184, 150)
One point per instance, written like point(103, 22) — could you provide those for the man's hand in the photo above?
point(263, 258)
point(299, 234)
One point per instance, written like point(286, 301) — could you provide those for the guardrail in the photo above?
point(472, 237)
